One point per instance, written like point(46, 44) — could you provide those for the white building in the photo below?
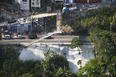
point(68, 1)
point(24, 4)
point(65, 1)
point(28, 4)
point(59, 0)
point(36, 3)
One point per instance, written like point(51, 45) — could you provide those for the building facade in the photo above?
point(87, 1)
point(36, 3)
point(28, 4)
point(59, 0)
point(24, 4)
point(68, 1)
point(22, 26)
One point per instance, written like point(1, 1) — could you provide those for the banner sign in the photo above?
point(21, 24)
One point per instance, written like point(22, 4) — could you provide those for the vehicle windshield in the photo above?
point(6, 33)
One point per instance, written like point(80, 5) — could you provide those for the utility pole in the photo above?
point(59, 42)
point(59, 25)
point(45, 34)
point(45, 28)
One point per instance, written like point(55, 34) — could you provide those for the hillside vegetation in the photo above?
point(104, 18)
point(101, 26)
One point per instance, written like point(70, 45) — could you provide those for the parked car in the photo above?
point(12, 21)
point(32, 36)
point(6, 36)
point(49, 37)
point(18, 37)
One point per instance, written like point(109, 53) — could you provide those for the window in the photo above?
point(24, 0)
point(32, 3)
point(37, 2)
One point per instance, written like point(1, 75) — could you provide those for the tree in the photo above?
point(76, 42)
point(104, 45)
point(79, 63)
point(62, 72)
point(58, 6)
point(97, 18)
point(103, 42)
point(27, 75)
point(91, 69)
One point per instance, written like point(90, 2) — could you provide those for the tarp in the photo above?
point(66, 10)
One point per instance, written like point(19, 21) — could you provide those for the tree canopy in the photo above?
point(105, 62)
point(104, 18)
point(75, 42)
point(101, 26)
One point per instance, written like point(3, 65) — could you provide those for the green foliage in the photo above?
point(112, 67)
point(7, 53)
point(17, 67)
point(76, 42)
point(63, 72)
point(114, 37)
point(105, 62)
point(101, 18)
point(27, 75)
point(50, 23)
point(79, 62)
point(58, 61)
point(49, 54)
point(58, 6)
point(102, 40)
point(91, 69)
point(53, 66)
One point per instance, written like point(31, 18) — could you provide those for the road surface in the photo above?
point(64, 40)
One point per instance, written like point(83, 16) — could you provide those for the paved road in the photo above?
point(64, 40)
